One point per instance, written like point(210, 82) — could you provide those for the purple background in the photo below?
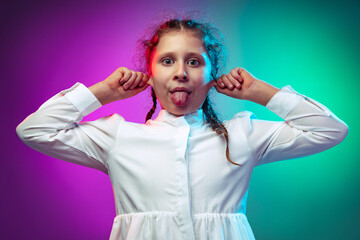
point(47, 46)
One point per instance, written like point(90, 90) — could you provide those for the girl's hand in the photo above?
point(121, 84)
point(241, 84)
point(235, 84)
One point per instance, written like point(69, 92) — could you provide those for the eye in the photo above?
point(194, 62)
point(167, 61)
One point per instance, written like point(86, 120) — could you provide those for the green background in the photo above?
point(314, 47)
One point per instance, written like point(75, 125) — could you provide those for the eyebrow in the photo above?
point(187, 54)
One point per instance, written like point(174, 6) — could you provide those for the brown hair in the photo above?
point(213, 42)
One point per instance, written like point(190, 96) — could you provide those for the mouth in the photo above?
point(180, 96)
point(180, 89)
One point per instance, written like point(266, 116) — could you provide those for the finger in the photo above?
point(118, 73)
point(241, 70)
point(220, 83)
point(126, 77)
point(137, 80)
point(218, 88)
point(227, 82)
point(225, 90)
point(234, 81)
point(144, 80)
point(140, 89)
point(130, 81)
point(244, 74)
point(236, 74)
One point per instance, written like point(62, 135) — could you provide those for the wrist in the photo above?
point(102, 92)
point(261, 92)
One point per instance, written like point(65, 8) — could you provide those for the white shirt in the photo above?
point(170, 176)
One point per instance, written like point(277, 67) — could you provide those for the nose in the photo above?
point(180, 74)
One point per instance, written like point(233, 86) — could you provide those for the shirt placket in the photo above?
point(182, 177)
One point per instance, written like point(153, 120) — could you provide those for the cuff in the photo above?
point(284, 101)
point(82, 98)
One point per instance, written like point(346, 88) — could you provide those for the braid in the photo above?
point(215, 47)
point(216, 125)
point(152, 110)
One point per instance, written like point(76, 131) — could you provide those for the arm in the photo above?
point(55, 128)
point(309, 127)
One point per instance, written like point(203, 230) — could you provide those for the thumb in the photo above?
point(139, 89)
point(244, 74)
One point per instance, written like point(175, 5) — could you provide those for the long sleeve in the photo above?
point(309, 128)
point(55, 129)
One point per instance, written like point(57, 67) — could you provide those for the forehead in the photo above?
point(180, 41)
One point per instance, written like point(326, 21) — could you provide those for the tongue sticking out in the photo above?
point(180, 98)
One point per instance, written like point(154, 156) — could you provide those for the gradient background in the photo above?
point(47, 46)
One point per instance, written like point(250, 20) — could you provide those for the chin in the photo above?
point(177, 112)
point(180, 110)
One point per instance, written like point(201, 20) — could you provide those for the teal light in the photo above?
point(314, 47)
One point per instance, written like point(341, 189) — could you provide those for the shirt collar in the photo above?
point(193, 118)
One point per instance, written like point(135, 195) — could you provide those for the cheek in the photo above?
point(159, 88)
point(205, 78)
point(206, 74)
point(155, 80)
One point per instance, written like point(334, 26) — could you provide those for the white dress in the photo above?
point(170, 176)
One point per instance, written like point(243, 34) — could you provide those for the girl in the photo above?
point(183, 175)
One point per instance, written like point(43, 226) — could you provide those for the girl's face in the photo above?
point(180, 72)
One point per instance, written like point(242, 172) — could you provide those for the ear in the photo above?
point(211, 82)
point(151, 81)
